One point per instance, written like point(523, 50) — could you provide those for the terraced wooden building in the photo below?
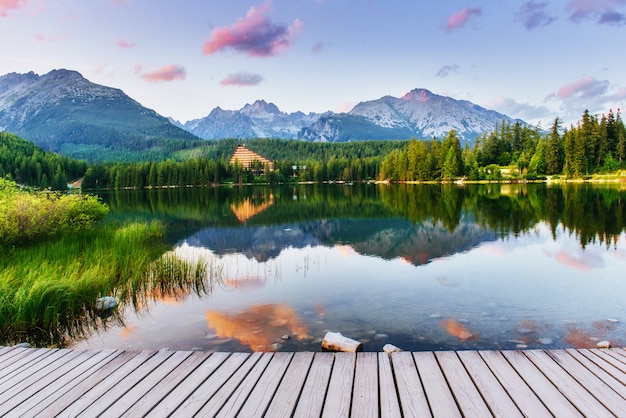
point(251, 160)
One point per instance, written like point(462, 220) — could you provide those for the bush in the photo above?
point(29, 216)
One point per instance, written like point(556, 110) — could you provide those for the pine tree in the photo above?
point(554, 150)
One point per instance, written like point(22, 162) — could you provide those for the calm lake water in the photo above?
point(423, 267)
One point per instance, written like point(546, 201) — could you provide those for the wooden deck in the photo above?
point(535, 383)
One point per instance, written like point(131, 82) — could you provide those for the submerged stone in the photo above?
point(603, 344)
point(104, 306)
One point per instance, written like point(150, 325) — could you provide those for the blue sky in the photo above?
point(533, 60)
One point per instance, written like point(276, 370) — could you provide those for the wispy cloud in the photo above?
point(605, 11)
point(242, 80)
point(585, 88)
point(169, 72)
point(587, 93)
point(255, 34)
point(6, 5)
point(533, 15)
point(446, 70)
point(318, 47)
point(525, 111)
point(459, 19)
point(123, 43)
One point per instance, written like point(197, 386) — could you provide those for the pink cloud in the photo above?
point(242, 80)
point(6, 5)
point(169, 72)
point(255, 34)
point(460, 18)
point(589, 9)
point(586, 87)
point(123, 43)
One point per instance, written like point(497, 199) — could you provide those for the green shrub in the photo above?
point(26, 217)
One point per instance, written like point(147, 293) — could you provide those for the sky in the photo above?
point(534, 60)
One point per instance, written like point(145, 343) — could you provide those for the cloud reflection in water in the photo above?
point(260, 326)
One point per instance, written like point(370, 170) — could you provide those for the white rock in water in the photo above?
point(23, 345)
point(105, 303)
point(545, 341)
point(521, 346)
point(603, 344)
point(390, 348)
point(612, 320)
point(334, 341)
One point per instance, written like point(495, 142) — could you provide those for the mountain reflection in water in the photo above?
point(424, 267)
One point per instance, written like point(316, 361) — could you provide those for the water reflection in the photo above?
point(422, 267)
point(261, 327)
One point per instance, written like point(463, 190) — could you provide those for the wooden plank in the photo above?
point(492, 391)
point(568, 386)
point(611, 357)
point(80, 397)
point(231, 402)
point(616, 385)
point(139, 390)
point(262, 394)
point(613, 353)
point(465, 392)
point(69, 380)
point(410, 391)
point(284, 402)
point(51, 374)
point(339, 396)
point(524, 397)
point(313, 393)
point(365, 390)
point(106, 399)
point(9, 356)
point(254, 365)
point(24, 374)
point(552, 398)
point(194, 391)
point(589, 381)
point(26, 358)
point(607, 367)
point(167, 385)
point(603, 354)
point(389, 403)
point(442, 403)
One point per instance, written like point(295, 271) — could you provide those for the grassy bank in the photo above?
point(47, 290)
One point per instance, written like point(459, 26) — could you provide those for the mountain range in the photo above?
point(64, 112)
point(419, 114)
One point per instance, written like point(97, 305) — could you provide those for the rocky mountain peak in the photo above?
point(260, 106)
point(418, 95)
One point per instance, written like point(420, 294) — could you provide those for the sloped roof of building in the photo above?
point(246, 157)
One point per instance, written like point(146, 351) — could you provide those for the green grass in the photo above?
point(47, 290)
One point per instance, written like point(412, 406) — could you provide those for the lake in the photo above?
point(423, 267)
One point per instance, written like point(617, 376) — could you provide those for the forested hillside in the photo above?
point(597, 144)
point(28, 164)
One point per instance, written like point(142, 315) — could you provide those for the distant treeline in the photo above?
point(595, 144)
point(352, 161)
